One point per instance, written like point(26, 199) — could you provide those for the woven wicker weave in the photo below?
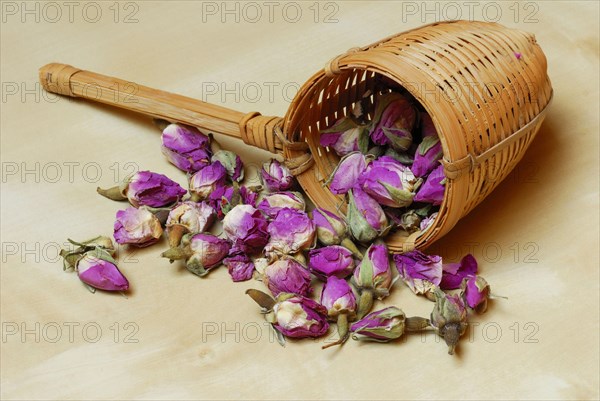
point(485, 86)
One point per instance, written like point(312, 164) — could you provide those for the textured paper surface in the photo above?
point(179, 337)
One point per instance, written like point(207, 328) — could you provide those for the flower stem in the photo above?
point(113, 193)
point(342, 327)
point(348, 244)
point(365, 302)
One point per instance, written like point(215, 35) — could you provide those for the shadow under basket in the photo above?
point(485, 87)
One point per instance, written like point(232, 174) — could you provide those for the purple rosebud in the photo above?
point(276, 177)
point(432, 191)
point(300, 317)
point(207, 252)
point(333, 260)
point(272, 203)
point(287, 275)
point(240, 267)
point(382, 325)
point(232, 163)
point(449, 318)
point(188, 217)
point(388, 182)
point(475, 293)
point(331, 229)
point(345, 136)
point(207, 180)
point(429, 151)
point(394, 118)
point(137, 227)
point(366, 219)
point(185, 147)
point(427, 221)
point(419, 271)
point(291, 231)
point(146, 188)
point(337, 297)
point(374, 272)
point(101, 272)
point(249, 196)
point(346, 174)
point(246, 227)
point(454, 273)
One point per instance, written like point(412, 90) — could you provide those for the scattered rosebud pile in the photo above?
point(390, 173)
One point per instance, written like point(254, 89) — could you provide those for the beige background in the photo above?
point(536, 236)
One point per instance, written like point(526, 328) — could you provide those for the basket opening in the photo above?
point(318, 107)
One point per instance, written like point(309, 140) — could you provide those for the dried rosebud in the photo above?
point(232, 163)
point(240, 267)
point(299, 317)
point(287, 275)
point(340, 301)
point(137, 227)
point(99, 270)
point(432, 190)
point(429, 151)
point(185, 147)
point(202, 252)
point(394, 118)
point(421, 272)
point(383, 325)
point(333, 260)
point(346, 174)
point(249, 195)
point(388, 182)
point(246, 227)
point(454, 273)
point(366, 219)
point(331, 229)
point(272, 203)
point(449, 318)
point(291, 231)
point(207, 180)
point(408, 221)
point(188, 217)
point(276, 177)
point(337, 297)
point(145, 188)
point(373, 276)
point(475, 292)
point(345, 136)
point(427, 221)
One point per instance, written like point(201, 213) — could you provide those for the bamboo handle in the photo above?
point(253, 128)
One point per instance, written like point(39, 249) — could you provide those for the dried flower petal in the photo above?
point(333, 260)
point(419, 271)
point(288, 276)
point(137, 227)
point(185, 147)
point(247, 228)
point(454, 273)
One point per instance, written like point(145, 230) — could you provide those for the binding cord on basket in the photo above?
point(266, 133)
point(333, 66)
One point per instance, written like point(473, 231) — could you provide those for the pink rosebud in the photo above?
point(333, 260)
point(366, 219)
point(207, 180)
point(145, 188)
point(188, 217)
point(185, 147)
point(346, 174)
point(429, 152)
point(100, 273)
point(299, 317)
point(389, 182)
point(137, 227)
point(240, 267)
point(373, 277)
point(345, 136)
point(382, 325)
point(394, 118)
point(291, 231)
point(287, 275)
point(454, 273)
point(202, 252)
point(337, 297)
point(246, 228)
point(475, 292)
point(419, 271)
point(432, 191)
point(276, 177)
point(272, 203)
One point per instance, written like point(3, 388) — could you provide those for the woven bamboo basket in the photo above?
point(485, 86)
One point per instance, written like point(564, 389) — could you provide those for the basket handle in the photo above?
point(253, 128)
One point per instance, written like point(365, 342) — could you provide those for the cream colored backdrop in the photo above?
point(179, 337)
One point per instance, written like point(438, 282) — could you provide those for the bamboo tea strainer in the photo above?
point(485, 86)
